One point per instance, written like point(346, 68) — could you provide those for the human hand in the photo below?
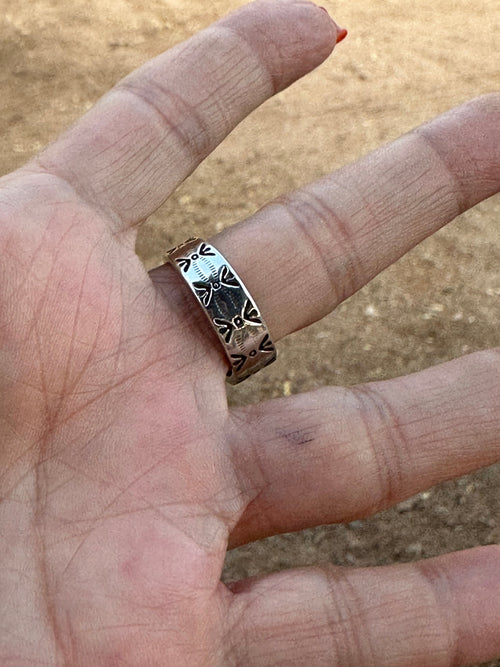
point(124, 474)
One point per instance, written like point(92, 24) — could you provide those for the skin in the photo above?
point(124, 475)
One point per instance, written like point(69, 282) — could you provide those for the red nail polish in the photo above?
point(342, 34)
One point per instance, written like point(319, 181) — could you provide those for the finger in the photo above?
point(441, 612)
point(144, 137)
point(338, 454)
point(319, 245)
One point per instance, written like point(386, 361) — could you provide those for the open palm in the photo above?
point(124, 475)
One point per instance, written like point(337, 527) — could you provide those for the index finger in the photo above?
point(145, 136)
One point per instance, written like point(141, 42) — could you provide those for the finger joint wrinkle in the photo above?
point(177, 117)
point(387, 439)
point(457, 185)
point(345, 619)
point(331, 241)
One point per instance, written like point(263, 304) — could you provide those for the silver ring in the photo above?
point(228, 306)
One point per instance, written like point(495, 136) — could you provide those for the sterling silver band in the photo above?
point(228, 306)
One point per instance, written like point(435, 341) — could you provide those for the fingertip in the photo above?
point(341, 32)
point(291, 37)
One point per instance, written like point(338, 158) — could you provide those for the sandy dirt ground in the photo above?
point(403, 63)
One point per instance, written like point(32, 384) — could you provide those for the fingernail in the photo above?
point(341, 34)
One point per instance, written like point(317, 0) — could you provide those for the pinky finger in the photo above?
point(442, 612)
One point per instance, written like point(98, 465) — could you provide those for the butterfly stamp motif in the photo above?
point(206, 290)
point(204, 250)
point(249, 315)
point(265, 345)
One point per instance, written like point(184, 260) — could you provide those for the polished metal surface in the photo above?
point(228, 306)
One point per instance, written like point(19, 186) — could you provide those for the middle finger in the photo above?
point(320, 244)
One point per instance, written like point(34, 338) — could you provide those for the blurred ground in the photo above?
point(400, 65)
